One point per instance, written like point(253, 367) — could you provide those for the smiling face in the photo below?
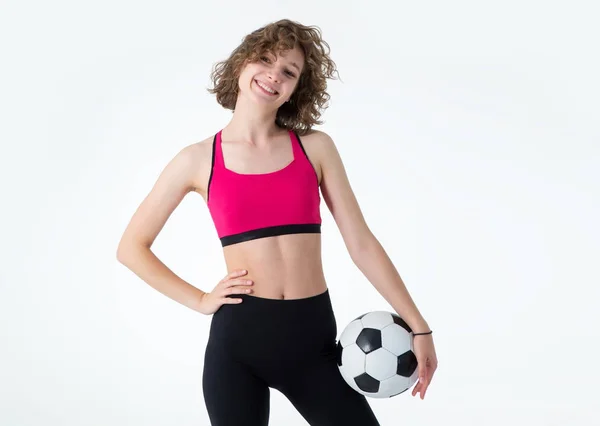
point(273, 78)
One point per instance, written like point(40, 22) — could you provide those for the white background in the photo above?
point(470, 134)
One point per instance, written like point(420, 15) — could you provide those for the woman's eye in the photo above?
point(291, 74)
point(264, 58)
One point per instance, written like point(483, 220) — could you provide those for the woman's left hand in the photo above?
point(425, 353)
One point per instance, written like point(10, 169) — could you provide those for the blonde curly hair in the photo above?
point(310, 97)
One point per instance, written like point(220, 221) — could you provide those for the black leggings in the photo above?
point(288, 345)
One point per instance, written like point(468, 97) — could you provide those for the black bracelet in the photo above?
point(420, 334)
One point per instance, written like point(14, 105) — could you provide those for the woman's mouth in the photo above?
point(266, 89)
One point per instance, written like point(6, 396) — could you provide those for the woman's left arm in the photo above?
point(369, 255)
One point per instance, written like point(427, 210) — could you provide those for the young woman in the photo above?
point(272, 321)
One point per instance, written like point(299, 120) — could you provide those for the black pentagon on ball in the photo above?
point(367, 383)
point(407, 364)
point(369, 340)
point(338, 353)
point(401, 322)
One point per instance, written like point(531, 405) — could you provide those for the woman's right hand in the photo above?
point(231, 284)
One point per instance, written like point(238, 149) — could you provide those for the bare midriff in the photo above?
point(281, 267)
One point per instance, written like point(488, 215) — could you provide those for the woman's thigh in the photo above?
point(232, 394)
point(322, 397)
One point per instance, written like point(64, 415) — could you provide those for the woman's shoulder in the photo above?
point(314, 134)
point(204, 145)
point(317, 143)
point(199, 150)
point(199, 156)
point(318, 138)
point(195, 152)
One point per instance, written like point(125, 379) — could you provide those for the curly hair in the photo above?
point(310, 97)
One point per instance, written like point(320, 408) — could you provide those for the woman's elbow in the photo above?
point(127, 249)
point(122, 252)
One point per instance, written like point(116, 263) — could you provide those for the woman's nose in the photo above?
point(275, 75)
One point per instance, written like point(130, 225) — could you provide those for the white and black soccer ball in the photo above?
point(375, 355)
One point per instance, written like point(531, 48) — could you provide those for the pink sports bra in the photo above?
point(245, 207)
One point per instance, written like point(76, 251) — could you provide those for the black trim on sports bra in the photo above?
point(212, 168)
point(306, 155)
point(271, 231)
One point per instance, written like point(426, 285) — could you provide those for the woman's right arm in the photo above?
point(134, 251)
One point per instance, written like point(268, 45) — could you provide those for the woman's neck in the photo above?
point(252, 124)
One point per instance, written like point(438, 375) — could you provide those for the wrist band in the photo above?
point(420, 334)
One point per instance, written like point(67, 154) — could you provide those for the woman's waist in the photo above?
point(286, 288)
point(280, 268)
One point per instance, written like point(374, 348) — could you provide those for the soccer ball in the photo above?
point(375, 355)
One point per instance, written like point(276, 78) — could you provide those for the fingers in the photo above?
point(432, 370)
point(416, 389)
point(232, 279)
point(240, 281)
point(421, 385)
point(234, 290)
point(425, 376)
point(233, 284)
point(424, 388)
point(237, 290)
point(428, 377)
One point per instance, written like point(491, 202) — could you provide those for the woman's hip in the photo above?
point(275, 329)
